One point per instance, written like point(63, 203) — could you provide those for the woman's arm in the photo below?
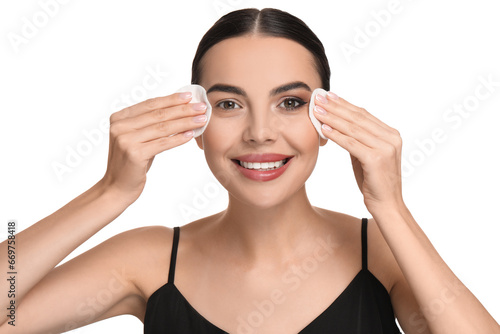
point(445, 303)
point(375, 151)
point(98, 284)
point(42, 246)
point(137, 134)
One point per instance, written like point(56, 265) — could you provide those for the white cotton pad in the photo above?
point(312, 104)
point(199, 95)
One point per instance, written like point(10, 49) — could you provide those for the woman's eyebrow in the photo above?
point(275, 91)
point(289, 86)
point(227, 89)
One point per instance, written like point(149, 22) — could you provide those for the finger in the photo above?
point(390, 136)
point(360, 117)
point(353, 121)
point(151, 104)
point(154, 147)
point(162, 129)
point(331, 97)
point(363, 131)
point(159, 115)
point(350, 144)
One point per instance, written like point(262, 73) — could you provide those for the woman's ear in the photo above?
point(322, 142)
point(199, 141)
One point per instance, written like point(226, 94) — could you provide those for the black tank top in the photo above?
point(363, 307)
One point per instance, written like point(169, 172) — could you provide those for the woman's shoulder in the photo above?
point(381, 261)
point(145, 245)
point(146, 238)
point(341, 223)
point(146, 253)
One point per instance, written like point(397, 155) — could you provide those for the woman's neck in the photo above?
point(268, 233)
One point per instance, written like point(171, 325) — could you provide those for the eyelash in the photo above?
point(226, 101)
point(299, 103)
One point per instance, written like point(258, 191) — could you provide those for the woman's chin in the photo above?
point(260, 200)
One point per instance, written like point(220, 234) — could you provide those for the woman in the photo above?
point(270, 262)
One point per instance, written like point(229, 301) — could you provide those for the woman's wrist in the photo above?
point(386, 211)
point(110, 193)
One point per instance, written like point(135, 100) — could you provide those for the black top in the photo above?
point(363, 307)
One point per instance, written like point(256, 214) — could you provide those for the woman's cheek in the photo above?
point(218, 133)
point(303, 131)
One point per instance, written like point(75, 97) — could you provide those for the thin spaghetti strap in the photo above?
point(173, 256)
point(364, 243)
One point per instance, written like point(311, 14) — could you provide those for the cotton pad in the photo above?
point(312, 104)
point(199, 95)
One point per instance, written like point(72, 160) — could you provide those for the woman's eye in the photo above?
point(291, 103)
point(227, 105)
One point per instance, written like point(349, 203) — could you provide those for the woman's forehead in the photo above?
point(252, 59)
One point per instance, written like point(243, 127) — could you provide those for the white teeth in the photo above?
point(263, 166)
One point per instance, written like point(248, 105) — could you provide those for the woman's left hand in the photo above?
point(374, 147)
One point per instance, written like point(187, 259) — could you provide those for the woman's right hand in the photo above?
point(141, 131)
point(137, 134)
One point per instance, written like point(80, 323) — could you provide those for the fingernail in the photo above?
point(333, 96)
point(189, 133)
point(199, 106)
point(200, 118)
point(185, 95)
point(327, 127)
point(320, 110)
point(321, 98)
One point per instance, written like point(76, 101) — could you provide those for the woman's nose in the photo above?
point(262, 126)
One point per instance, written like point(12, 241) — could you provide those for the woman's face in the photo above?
point(259, 89)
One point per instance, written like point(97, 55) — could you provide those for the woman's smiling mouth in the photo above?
point(262, 167)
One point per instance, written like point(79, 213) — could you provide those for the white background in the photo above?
point(68, 76)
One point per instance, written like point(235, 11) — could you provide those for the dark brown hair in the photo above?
point(267, 22)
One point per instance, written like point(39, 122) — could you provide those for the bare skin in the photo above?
point(230, 260)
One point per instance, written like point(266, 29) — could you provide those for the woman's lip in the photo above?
point(267, 175)
point(263, 157)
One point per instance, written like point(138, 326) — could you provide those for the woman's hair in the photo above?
point(266, 22)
